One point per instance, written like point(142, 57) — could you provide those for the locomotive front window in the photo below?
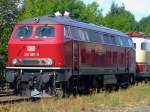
point(45, 32)
point(23, 32)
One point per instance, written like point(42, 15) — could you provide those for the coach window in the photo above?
point(23, 32)
point(143, 46)
point(134, 45)
point(148, 46)
point(75, 33)
point(67, 32)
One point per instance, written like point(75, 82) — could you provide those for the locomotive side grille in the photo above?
point(30, 62)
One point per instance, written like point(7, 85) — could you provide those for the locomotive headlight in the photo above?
point(49, 61)
point(14, 61)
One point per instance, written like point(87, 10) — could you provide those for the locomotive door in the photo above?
point(75, 57)
point(127, 59)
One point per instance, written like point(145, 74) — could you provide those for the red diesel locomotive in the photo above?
point(58, 53)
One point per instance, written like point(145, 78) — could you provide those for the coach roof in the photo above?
point(72, 22)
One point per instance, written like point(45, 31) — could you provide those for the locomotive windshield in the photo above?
point(45, 32)
point(23, 32)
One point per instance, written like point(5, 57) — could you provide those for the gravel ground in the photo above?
point(143, 108)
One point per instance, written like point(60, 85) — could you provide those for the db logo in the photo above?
point(30, 48)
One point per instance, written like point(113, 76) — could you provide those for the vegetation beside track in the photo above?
point(130, 100)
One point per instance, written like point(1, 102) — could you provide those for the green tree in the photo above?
point(77, 9)
point(144, 25)
point(34, 8)
point(121, 19)
point(8, 12)
point(91, 13)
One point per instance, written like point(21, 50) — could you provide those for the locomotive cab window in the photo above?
point(45, 32)
point(23, 32)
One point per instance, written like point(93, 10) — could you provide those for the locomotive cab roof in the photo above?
point(71, 22)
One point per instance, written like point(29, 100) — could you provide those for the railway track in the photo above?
point(14, 99)
point(10, 98)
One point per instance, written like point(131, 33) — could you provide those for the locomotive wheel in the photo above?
point(59, 93)
point(132, 80)
point(25, 90)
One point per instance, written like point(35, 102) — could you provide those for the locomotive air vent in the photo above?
point(30, 62)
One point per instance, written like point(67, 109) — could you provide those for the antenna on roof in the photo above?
point(58, 13)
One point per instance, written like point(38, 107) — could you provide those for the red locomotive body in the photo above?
point(58, 53)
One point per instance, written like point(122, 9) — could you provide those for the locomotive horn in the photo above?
point(58, 13)
point(66, 14)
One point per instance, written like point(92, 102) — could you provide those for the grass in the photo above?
point(121, 101)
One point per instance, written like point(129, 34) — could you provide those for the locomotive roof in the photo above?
point(72, 22)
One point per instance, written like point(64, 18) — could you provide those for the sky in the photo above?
point(139, 8)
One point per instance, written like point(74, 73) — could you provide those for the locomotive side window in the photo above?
point(118, 41)
point(75, 33)
point(23, 32)
point(125, 41)
point(86, 35)
point(82, 35)
point(92, 36)
point(107, 39)
point(100, 37)
point(45, 32)
point(67, 32)
point(113, 40)
point(130, 42)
